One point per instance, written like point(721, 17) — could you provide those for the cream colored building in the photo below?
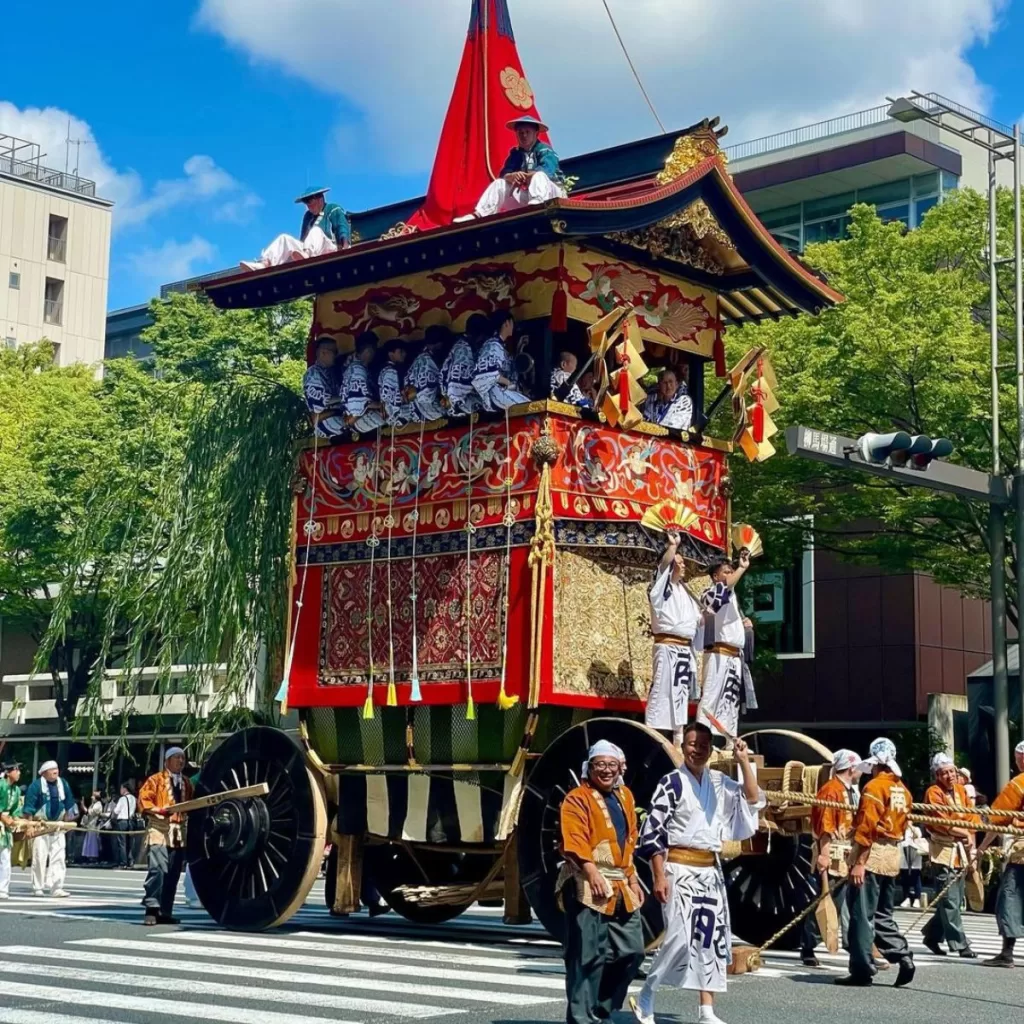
point(54, 256)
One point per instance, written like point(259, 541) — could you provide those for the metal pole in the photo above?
point(1018, 312)
point(996, 525)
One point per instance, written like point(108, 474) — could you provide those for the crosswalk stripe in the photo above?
point(135, 1003)
point(403, 951)
point(195, 987)
point(293, 978)
point(538, 949)
point(12, 1015)
point(385, 967)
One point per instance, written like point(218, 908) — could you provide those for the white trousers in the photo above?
point(48, 865)
point(673, 675)
point(723, 692)
point(697, 947)
point(5, 871)
point(500, 196)
point(286, 248)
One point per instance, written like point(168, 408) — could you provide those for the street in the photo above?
point(87, 960)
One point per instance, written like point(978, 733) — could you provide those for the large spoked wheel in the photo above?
point(649, 756)
point(766, 890)
point(254, 861)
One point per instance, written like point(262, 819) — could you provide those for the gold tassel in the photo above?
point(392, 695)
point(470, 707)
point(368, 703)
point(504, 700)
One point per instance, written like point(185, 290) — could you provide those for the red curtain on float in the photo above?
point(490, 90)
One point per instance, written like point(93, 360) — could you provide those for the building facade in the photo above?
point(54, 256)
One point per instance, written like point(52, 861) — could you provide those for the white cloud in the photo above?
point(173, 260)
point(203, 180)
point(763, 66)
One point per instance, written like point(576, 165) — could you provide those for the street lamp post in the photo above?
point(1001, 143)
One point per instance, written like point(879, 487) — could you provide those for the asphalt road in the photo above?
point(86, 960)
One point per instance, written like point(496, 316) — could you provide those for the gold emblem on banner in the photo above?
point(517, 88)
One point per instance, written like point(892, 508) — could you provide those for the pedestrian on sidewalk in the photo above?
point(694, 809)
point(124, 812)
point(10, 808)
point(92, 819)
point(878, 829)
point(50, 799)
point(165, 837)
point(950, 849)
point(604, 943)
point(1010, 899)
point(912, 851)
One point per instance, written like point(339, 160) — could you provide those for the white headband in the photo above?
point(46, 766)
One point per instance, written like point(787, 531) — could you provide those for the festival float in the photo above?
point(469, 603)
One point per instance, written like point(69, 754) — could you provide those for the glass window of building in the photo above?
point(57, 239)
point(14, 280)
point(53, 302)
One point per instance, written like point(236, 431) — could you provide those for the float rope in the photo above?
point(415, 695)
point(372, 541)
point(468, 606)
point(504, 700)
point(933, 907)
point(389, 522)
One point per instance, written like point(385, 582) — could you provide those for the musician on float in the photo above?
point(423, 380)
point(322, 391)
point(325, 228)
point(669, 404)
point(457, 394)
point(530, 174)
point(693, 810)
point(878, 826)
point(362, 410)
point(601, 893)
point(165, 838)
point(560, 375)
point(950, 848)
point(397, 411)
point(49, 798)
point(727, 680)
point(677, 623)
point(494, 376)
point(1010, 898)
point(831, 827)
point(10, 808)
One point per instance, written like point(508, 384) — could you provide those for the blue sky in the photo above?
point(205, 117)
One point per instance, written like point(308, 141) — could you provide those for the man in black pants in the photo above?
point(124, 812)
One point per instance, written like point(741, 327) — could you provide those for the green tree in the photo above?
point(907, 350)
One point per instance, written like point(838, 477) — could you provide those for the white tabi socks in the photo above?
point(707, 1015)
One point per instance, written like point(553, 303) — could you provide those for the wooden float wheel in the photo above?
point(768, 889)
point(649, 756)
point(253, 862)
point(397, 866)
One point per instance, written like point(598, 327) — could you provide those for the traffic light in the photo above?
point(938, 448)
point(879, 448)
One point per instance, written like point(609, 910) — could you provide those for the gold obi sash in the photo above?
point(884, 858)
point(720, 648)
point(672, 640)
point(691, 858)
point(945, 851)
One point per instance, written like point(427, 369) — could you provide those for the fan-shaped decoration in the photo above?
point(745, 536)
point(669, 515)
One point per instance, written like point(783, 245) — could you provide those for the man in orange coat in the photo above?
point(604, 941)
point(1010, 899)
point(950, 848)
point(878, 828)
point(166, 836)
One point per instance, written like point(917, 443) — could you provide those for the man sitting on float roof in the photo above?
point(325, 228)
point(530, 174)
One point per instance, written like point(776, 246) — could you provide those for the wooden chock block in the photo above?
point(348, 854)
point(745, 960)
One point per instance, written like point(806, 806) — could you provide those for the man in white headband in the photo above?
point(49, 798)
point(950, 848)
point(1010, 898)
point(878, 828)
point(604, 941)
point(831, 827)
point(165, 837)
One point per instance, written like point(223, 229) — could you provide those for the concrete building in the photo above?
point(54, 255)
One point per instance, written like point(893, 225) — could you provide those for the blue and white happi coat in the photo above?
point(697, 814)
point(357, 396)
point(457, 379)
point(574, 395)
point(728, 684)
point(396, 410)
point(425, 377)
point(677, 413)
point(320, 389)
point(493, 362)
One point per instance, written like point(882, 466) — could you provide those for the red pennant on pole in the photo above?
point(560, 300)
point(490, 90)
point(718, 351)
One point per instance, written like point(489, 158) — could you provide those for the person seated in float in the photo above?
point(494, 376)
point(321, 390)
point(423, 381)
point(669, 404)
point(457, 394)
point(362, 410)
point(530, 174)
point(560, 375)
point(396, 409)
point(325, 228)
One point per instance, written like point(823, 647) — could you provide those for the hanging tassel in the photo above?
point(415, 695)
point(504, 700)
point(470, 707)
point(392, 695)
point(560, 300)
point(368, 703)
point(718, 350)
point(757, 421)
